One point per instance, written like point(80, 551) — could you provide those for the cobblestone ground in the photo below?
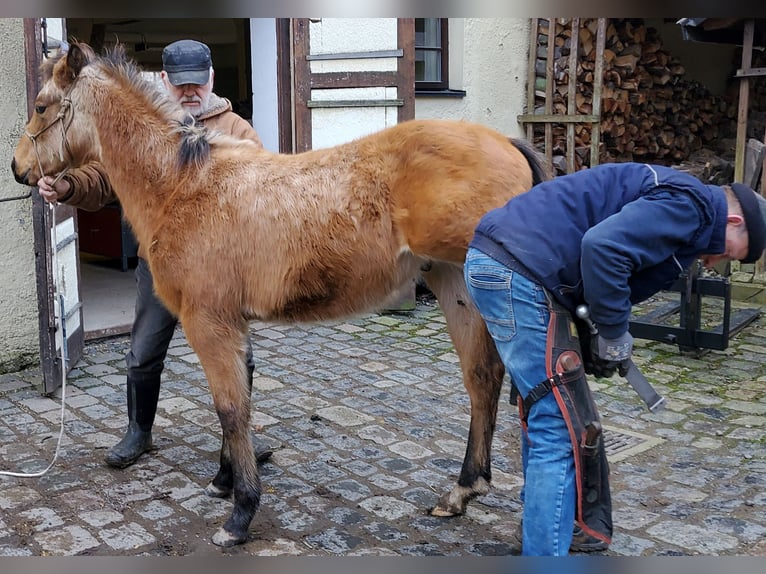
point(369, 420)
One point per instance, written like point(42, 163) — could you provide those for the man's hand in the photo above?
point(51, 192)
point(608, 355)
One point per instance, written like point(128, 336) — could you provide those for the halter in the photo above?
point(66, 107)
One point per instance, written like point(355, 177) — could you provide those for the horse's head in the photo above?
point(58, 135)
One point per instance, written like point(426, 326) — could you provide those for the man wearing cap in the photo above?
point(188, 76)
point(187, 72)
point(606, 237)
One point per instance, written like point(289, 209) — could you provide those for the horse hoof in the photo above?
point(454, 502)
point(442, 512)
point(226, 539)
point(216, 491)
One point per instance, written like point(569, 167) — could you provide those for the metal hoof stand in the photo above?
point(688, 332)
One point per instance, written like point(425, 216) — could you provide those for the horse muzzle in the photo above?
point(21, 178)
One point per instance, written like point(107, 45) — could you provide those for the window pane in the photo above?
point(433, 32)
point(428, 50)
point(428, 66)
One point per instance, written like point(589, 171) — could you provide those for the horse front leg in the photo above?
point(219, 347)
point(483, 373)
point(223, 483)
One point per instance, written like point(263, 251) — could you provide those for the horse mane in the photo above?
point(124, 70)
point(194, 147)
point(195, 143)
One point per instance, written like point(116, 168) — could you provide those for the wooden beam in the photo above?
point(354, 103)
point(749, 73)
point(531, 75)
point(405, 69)
point(574, 44)
point(301, 85)
point(549, 82)
point(744, 101)
point(557, 118)
point(598, 82)
point(353, 80)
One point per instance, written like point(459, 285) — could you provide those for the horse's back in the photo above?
point(446, 175)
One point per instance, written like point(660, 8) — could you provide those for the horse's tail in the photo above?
point(535, 159)
point(195, 145)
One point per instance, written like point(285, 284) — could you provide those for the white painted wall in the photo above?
point(337, 35)
point(488, 59)
point(263, 45)
point(332, 126)
point(19, 340)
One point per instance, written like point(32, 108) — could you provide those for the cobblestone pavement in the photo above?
point(369, 418)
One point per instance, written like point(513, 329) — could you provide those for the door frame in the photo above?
point(56, 358)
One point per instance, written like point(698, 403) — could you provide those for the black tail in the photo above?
point(535, 159)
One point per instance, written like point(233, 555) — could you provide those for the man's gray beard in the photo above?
point(202, 108)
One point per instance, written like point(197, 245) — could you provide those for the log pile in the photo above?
point(650, 112)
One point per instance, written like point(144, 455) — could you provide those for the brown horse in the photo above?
point(236, 233)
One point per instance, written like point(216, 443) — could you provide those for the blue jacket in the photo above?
point(609, 236)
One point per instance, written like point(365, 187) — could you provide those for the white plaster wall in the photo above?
point(491, 68)
point(331, 126)
point(335, 125)
point(337, 35)
point(19, 343)
point(263, 41)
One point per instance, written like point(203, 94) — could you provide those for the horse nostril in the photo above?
point(19, 178)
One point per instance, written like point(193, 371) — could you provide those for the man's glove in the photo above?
point(608, 355)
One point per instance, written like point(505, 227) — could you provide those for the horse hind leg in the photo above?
point(219, 348)
point(483, 373)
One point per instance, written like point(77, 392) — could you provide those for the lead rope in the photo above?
point(59, 317)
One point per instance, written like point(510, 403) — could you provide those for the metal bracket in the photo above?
point(688, 334)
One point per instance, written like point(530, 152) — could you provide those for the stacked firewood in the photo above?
point(649, 110)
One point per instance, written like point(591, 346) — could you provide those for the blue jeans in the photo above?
point(516, 312)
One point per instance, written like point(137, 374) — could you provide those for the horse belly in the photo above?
point(323, 292)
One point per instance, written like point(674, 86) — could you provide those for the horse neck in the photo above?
point(138, 151)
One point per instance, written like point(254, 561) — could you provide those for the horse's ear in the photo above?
point(76, 59)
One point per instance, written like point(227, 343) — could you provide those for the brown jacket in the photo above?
point(90, 188)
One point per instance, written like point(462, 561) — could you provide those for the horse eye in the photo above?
point(41, 109)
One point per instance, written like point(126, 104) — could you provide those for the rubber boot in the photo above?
point(143, 395)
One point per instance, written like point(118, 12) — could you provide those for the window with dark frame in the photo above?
point(431, 57)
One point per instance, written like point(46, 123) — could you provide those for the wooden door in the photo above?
point(57, 263)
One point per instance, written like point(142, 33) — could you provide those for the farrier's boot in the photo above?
point(143, 394)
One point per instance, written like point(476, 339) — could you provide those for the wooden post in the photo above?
point(759, 274)
point(598, 81)
point(549, 83)
point(534, 29)
point(574, 45)
point(744, 101)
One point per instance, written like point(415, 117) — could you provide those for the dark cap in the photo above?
point(187, 62)
point(754, 211)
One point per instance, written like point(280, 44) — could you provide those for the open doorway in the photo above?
point(107, 249)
